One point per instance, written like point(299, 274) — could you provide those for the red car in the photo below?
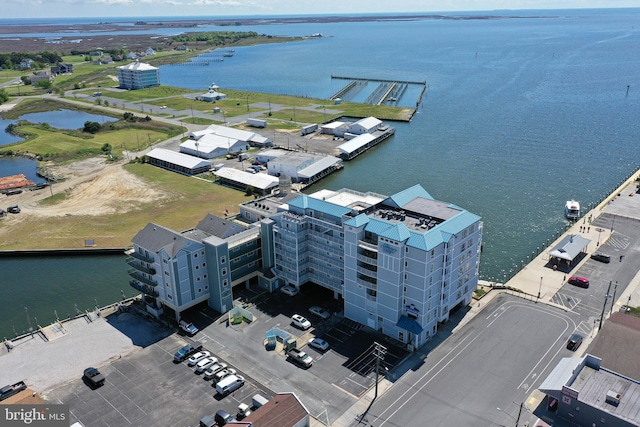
point(579, 281)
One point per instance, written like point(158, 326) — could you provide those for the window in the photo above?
point(223, 260)
point(433, 252)
point(197, 279)
point(169, 296)
point(195, 255)
point(199, 290)
point(206, 287)
point(205, 276)
point(224, 271)
point(401, 336)
point(204, 264)
point(225, 283)
point(197, 267)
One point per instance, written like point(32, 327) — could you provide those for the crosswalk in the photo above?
point(565, 300)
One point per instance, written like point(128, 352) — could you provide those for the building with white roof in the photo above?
point(336, 128)
point(401, 263)
point(177, 162)
point(251, 138)
point(138, 75)
point(366, 125)
point(260, 182)
point(210, 146)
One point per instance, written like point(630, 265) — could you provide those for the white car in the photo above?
point(300, 322)
point(289, 290)
point(320, 312)
point(163, 107)
point(198, 357)
point(222, 374)
point(204, 364)
point(209, 373)
point(318, 344)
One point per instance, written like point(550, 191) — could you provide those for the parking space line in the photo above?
point(116, 409)
point(345, 391)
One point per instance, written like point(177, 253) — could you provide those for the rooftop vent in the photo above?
point(613, 398)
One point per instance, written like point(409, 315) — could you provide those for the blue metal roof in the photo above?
point(458, 223)
point(410, 325)
point(405, 196)
point(358, 221)
point(306, 202)
point(441, 233)
point(398, 232)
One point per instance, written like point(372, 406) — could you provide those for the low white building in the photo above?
point(211, 146)
point(252, 138)
point(366, 125)
point(178, 162)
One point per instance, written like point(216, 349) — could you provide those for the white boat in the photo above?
point(572, 209)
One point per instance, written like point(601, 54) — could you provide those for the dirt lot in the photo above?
point(92, 187)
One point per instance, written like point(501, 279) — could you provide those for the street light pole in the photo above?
point(539, 289)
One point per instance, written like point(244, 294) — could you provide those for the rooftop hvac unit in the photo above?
point(613, 398)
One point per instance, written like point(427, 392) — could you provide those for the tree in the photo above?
point(4, 96)
point(91, 127)
point(106, 148)
point(106, 103)
point(44, 84)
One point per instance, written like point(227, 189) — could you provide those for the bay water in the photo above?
point(520, 115)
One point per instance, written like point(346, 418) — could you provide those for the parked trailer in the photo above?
point(258, 401)
point(308, 129)
point(257, 123)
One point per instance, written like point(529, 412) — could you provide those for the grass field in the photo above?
point(191, 199)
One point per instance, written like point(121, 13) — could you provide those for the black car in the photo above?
point(186, 351)
point(598, 256)
point(574, 342)
point(94, 377)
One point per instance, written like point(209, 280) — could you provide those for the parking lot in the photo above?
point(146, 387)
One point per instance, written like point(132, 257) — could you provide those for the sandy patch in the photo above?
point(92, 187)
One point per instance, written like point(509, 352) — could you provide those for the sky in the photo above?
point(220, 8)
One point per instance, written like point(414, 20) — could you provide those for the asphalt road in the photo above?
point(495, 361)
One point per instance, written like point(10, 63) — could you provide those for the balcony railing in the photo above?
point(139, 277)
point(133, 262)
point(144, 289)
point(141, 257)
point(369, 245)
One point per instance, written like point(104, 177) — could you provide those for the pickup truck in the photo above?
point(9, 390)
point(186, 351)
point(300, 357)
point(94, 377)
point(188, 327)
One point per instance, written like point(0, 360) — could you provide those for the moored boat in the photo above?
point(572, 209)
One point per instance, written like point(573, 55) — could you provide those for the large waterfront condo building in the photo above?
point(400, 264)
point(138, 75)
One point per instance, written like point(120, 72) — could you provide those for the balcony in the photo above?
point(141, 257)
point(139, 277)
point(368, 245)
point(133, 262)
point(144, 289)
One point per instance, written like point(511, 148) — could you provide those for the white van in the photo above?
point(229, 384)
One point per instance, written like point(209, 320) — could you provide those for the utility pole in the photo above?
point(539, 289)
point(519, 413)
point(615, 289)
point(378, 352)
point(604, 306)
